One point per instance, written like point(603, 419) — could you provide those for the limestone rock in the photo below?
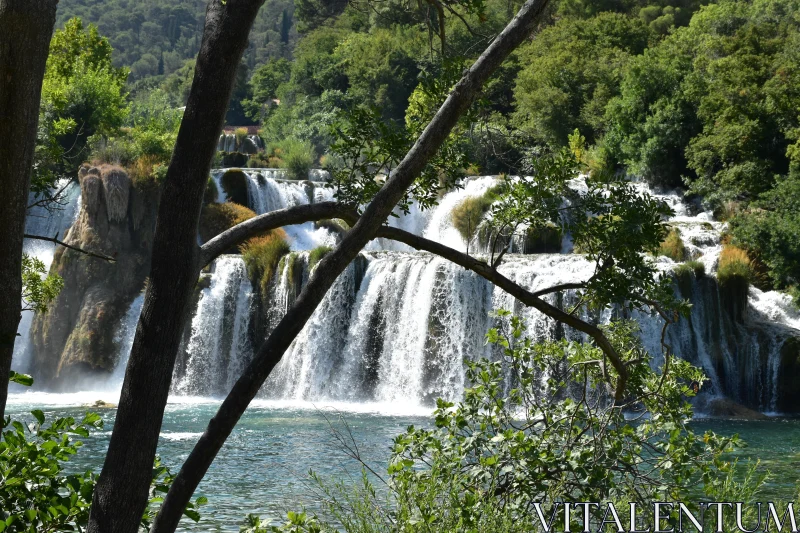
point(75, 337)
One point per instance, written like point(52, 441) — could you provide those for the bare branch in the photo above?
point(523, 295)
point(272, 220)
point(71, 247)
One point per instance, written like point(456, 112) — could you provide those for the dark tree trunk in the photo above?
point(376, 213)
point(122, 490)
point(25, 30)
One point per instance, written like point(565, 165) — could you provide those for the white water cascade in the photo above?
point(398, 326)
point(52, 220)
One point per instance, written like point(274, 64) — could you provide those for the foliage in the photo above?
point(262, 254)
point(468, 214)
point(672, 246)
point(571, 70)
point(734, 265)
point(369, 148)
point(155, 39)
point(316, 255)
point(538, 425)
point(82, 94)
point(713, 102)
point(769, 230)
point(34, 493)
point(216, 218)
point(297, 157)
point(39, 288)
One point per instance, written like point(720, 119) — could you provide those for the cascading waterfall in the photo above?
point(219, 346)
point(52, 220)
point(398, 326)
point(267, 193)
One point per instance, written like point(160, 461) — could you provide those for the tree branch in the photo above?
point(65, 245)
point(272, 220)
point(333, 264)
point(523, 295)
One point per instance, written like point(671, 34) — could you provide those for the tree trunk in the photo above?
point(332, 265)
point(25, 29)
point(122, 489)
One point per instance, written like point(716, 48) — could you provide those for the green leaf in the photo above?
point(22, 379)
point(39, 415)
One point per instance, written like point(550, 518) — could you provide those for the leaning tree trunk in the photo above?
point(25, 30)
point(122, 489)
point(368, 225)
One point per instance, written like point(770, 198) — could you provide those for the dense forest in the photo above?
point(680, 94)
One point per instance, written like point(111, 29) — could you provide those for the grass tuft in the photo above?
point(316, 255)
point(734, 265)
point(672, 246)
point(262, 254)
point(467, 215)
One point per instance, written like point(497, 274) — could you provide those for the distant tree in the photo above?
point(569, 73)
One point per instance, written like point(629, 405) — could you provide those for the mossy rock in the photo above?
point(542, 240)
point(216, 218)
point(234, 159)
point(788, 392)
point(686, 274)
point(234, 183)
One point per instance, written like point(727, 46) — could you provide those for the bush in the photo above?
point(241, 135)
point(672, 246)
point(262, 254)
point(297, 158)
point(147, 172)
point(316, 255)
point(36, 495)
point(216, 218)
point(467, 215)
point(734, 265)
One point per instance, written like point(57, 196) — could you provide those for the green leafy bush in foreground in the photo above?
point(35, 495)
point(539, 425)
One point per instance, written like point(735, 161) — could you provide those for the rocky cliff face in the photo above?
point(75, 337)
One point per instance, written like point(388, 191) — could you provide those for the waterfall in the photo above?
point(267, 193)
point(398, 326)
point(219, 346)
point(54, 220)
point(123, 338)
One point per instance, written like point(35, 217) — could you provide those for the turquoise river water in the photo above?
point(263, 468)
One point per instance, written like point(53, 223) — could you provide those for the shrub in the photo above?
point(297, 157)
point(734, 265)
point(262, 254)
point(36, 494)
point(672, 246)
point(316, 255)
point(241, 135)
point(467, 215)
point(216, 218)
point(146, 172)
